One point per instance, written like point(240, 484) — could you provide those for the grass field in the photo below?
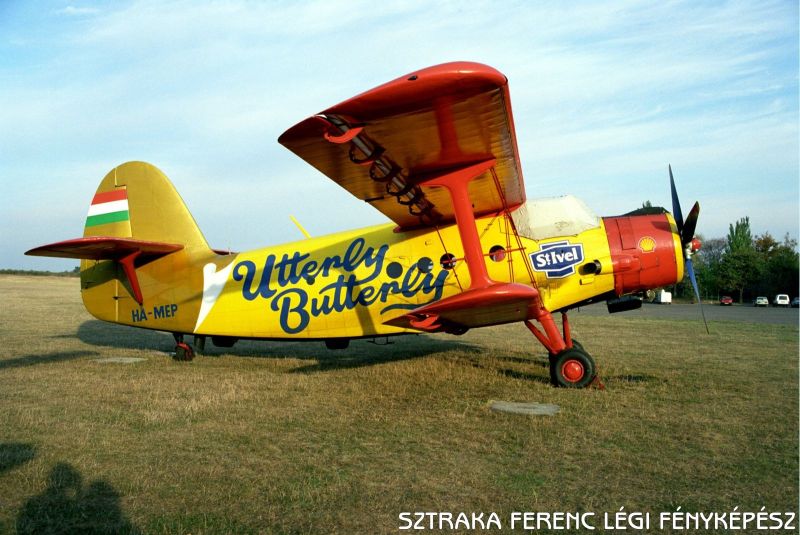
point(292, 438)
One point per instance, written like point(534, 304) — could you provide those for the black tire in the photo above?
point(572, 368)
point(575, 343)
point(184, 352)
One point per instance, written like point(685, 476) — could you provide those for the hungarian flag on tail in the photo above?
point(109, 207)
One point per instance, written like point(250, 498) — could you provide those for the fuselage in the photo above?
point(347, 285)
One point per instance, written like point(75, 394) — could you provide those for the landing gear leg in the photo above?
point(183, 351)
point(570, 365)
point(199, 343)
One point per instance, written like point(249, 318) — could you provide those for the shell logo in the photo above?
point(647, 244)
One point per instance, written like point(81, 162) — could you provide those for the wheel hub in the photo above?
point(572, 370)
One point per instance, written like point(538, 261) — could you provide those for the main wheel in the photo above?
point(183, 351)
point(572, 368)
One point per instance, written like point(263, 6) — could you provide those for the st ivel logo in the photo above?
point(557, 259)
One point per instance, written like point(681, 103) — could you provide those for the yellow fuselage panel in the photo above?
point(172, 287)
point(557, 264)
point(342, 285)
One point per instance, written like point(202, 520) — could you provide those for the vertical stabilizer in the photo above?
point(136, 200)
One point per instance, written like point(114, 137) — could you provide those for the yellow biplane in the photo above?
point(435, 151)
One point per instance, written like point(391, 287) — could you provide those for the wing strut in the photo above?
point(485, 302)
point(456, 182)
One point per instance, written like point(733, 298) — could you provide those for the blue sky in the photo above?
point(605, 95)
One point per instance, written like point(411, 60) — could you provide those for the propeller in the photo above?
point(686, 231)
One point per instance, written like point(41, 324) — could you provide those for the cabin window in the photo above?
point(539, 219)
point(497, 253)
point(448, 261)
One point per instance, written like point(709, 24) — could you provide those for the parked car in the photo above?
point(781, 300)
point(726, 300)
point(761, 301)
point(796, 302)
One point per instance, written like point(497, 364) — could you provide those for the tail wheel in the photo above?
point(572, 368)
point(183, 351)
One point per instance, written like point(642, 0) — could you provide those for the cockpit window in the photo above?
point(538, 219)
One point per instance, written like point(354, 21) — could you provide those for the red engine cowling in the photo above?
point(645, 252)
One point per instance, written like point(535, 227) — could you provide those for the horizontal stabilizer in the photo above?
point(125, 251)
point(105, 248)
point(491, 305)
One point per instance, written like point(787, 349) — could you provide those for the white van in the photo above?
point(663, 297)
point(781, 300)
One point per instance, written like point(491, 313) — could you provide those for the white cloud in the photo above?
point(76, 11)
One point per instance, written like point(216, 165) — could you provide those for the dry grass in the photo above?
point(291, 438)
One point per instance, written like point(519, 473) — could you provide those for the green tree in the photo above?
point(706, 266)
point(782, 268)
point(740, 270)
point(741, 266)
point(747, 266)
point(765, 245)
point(739, 236)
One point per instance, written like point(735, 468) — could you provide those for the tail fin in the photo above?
point(136, 200)
point(135, 218)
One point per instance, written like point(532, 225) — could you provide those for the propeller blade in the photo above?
point(690, 225)
point(676, 204)
point(690, 270)
point(686, 232)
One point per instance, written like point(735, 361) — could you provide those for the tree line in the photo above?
point(76, 272)
point(744, 266)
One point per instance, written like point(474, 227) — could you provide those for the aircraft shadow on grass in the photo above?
point(49, 358)
point(503, 365)
point(360, 352)
point(67, 505)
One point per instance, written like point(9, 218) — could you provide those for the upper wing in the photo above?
point(382, 145)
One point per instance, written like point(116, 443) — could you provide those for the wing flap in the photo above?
point(381, 145)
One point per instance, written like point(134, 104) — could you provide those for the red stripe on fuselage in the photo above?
point(108, 196)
